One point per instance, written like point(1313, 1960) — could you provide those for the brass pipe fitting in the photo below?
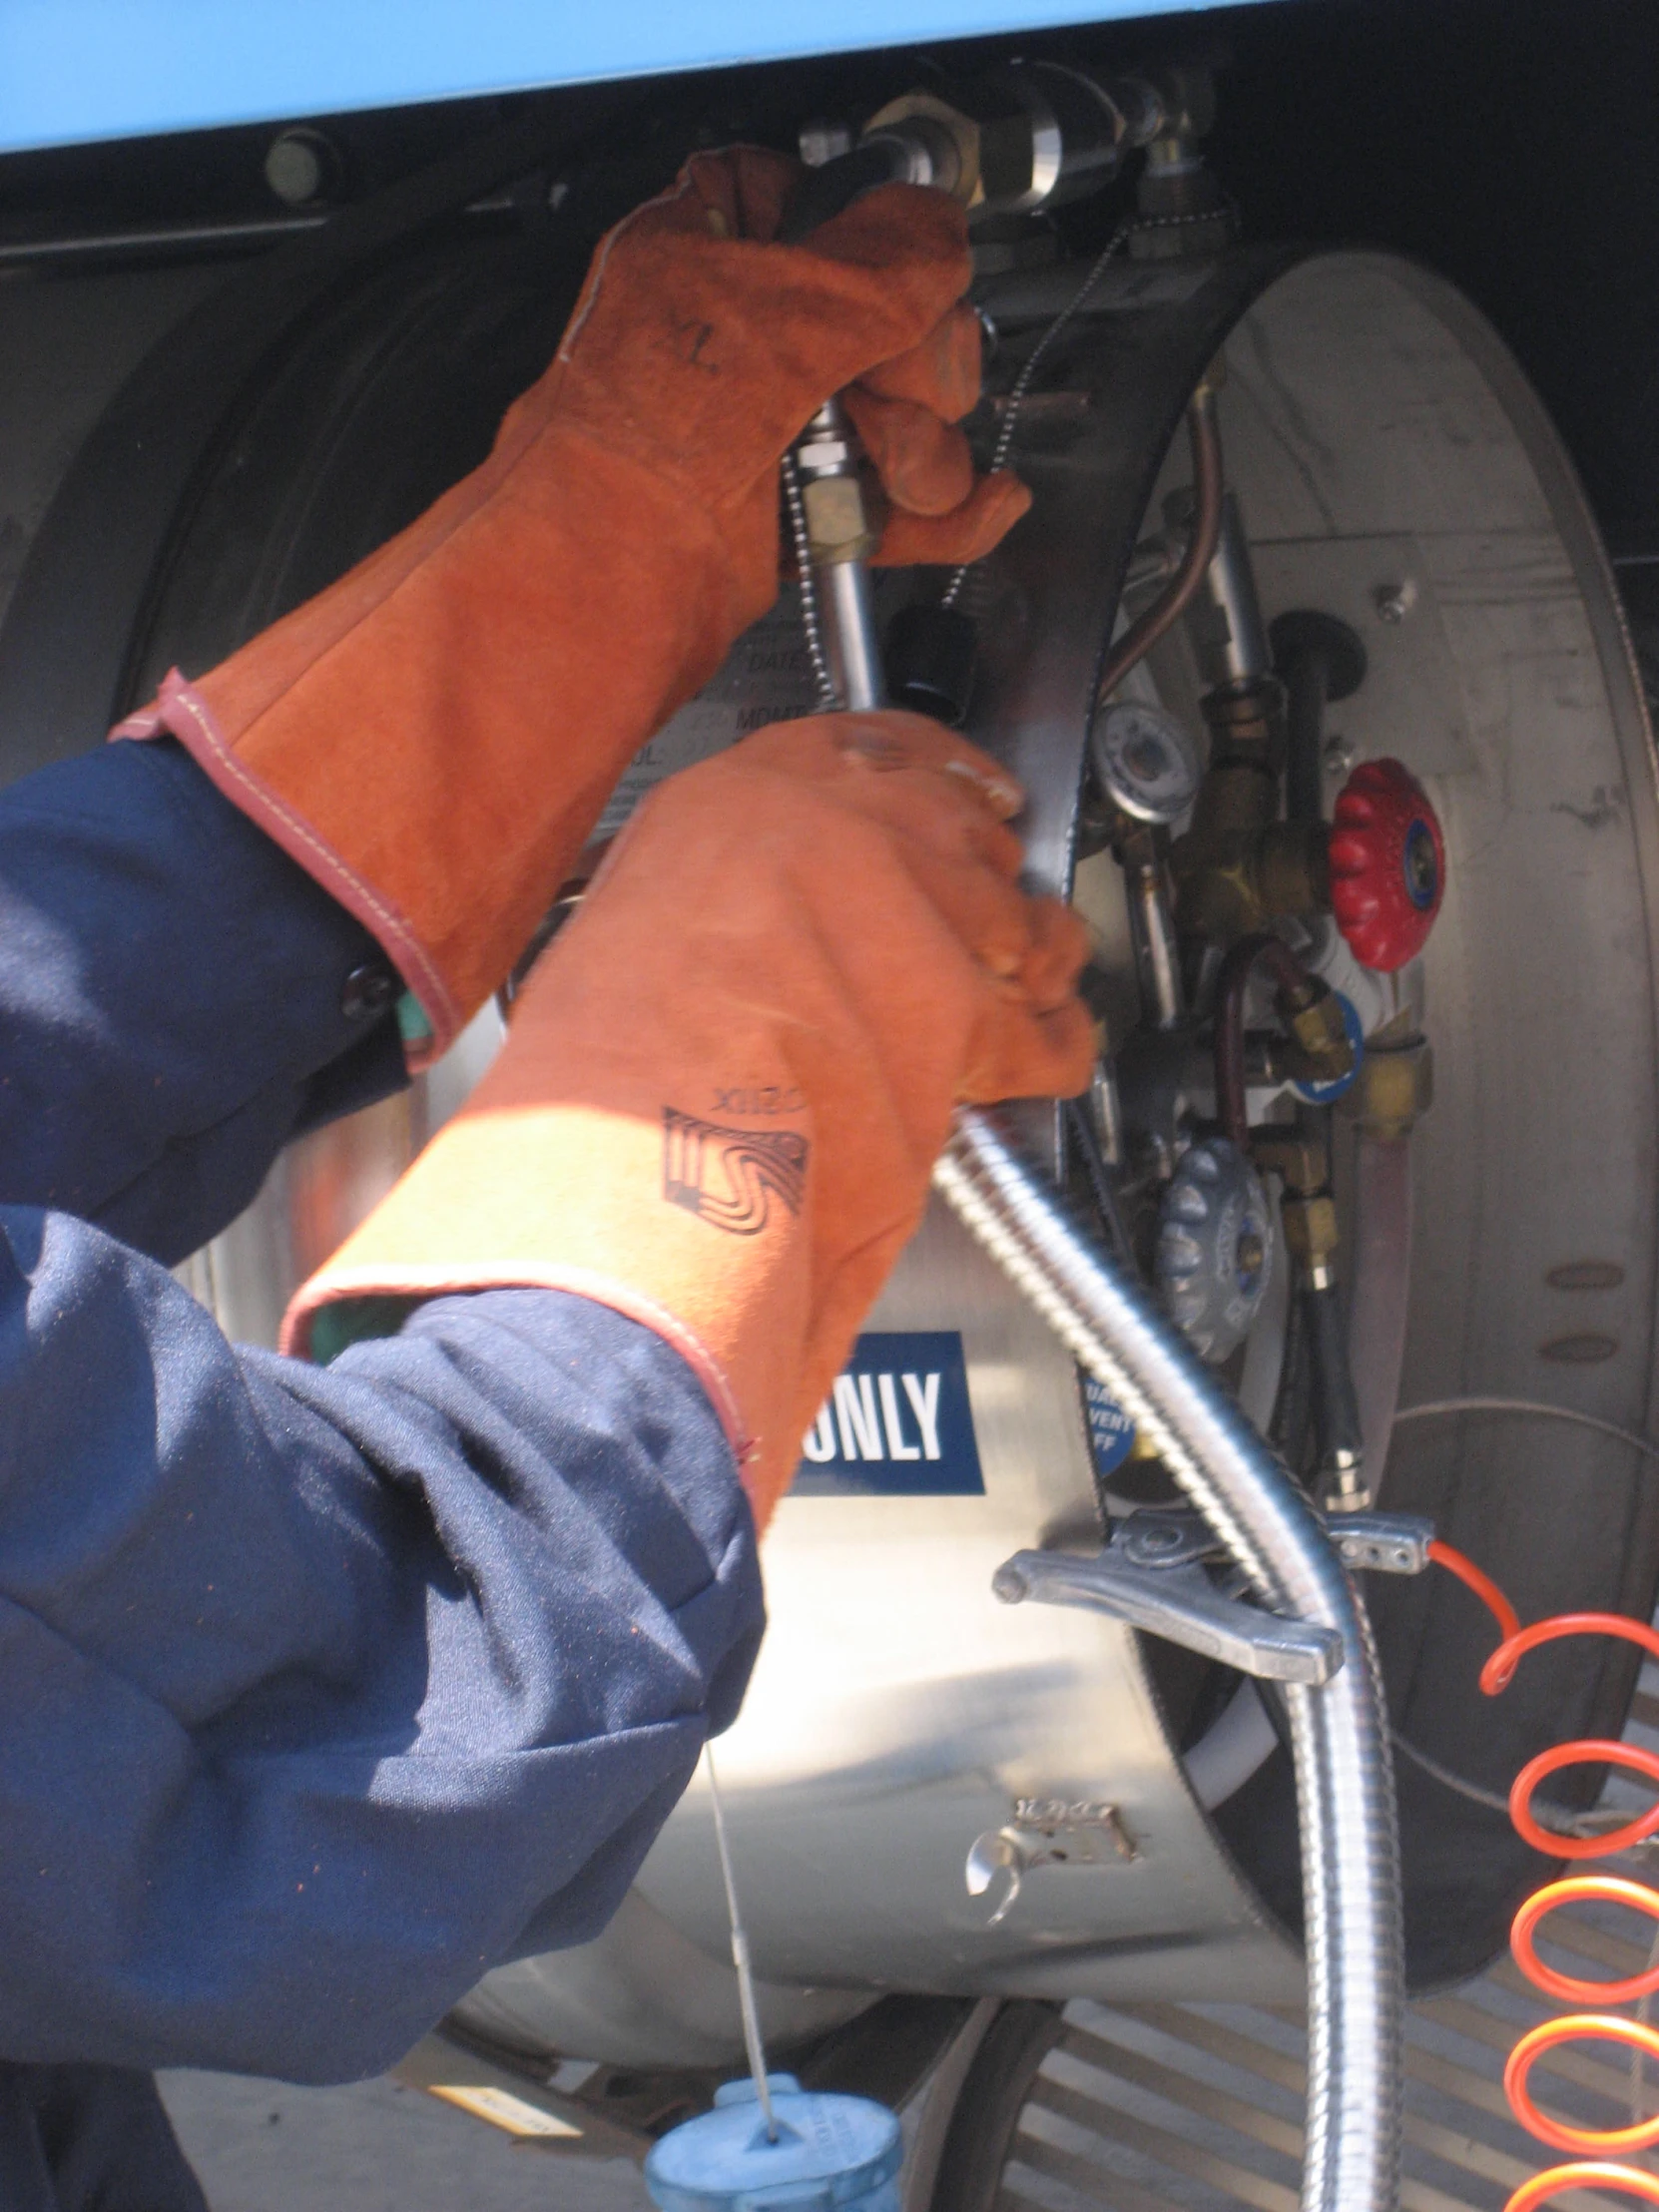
point(1317, 1027)
point(1239, 866)
point(1395, 1088)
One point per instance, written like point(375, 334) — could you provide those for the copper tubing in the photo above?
point(1143, 633)
point(1235, 970)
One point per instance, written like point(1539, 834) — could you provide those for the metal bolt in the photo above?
point(1340, 757)
point(1154, 1540)
point(1394, 602)
point(301, 167)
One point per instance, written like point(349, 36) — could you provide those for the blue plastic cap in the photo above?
point(831, 2154)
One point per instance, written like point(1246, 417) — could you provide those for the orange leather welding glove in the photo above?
point(726, 1082)
point(434, 737)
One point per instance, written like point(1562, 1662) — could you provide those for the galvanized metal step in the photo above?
point(1199, 2108)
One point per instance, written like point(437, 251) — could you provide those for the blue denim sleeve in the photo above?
point(330, 1689)
point(177, 999)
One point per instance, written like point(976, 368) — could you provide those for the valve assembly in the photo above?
point(1238, 891)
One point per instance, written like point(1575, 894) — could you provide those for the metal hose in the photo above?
point(1338, 1733)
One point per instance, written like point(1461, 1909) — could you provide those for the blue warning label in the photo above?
point(1111, 1431)
point(898, 1422)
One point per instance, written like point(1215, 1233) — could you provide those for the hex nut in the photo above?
point(836, 525)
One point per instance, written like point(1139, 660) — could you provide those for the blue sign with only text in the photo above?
point(897, 1424)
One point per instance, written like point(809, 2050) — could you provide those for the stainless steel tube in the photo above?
point(849, 625)
point(840, 618)
point(1338, 1733)
point(1156, 959)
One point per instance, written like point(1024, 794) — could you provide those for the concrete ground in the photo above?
point(263, 2147)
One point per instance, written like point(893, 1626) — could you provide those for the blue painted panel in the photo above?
point(73, 70)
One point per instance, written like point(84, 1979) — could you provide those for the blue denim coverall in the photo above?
point(321, 1691)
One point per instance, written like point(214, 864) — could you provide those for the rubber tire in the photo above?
point(992, 2097)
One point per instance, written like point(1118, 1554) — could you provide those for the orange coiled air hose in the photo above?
point(1599, 2169)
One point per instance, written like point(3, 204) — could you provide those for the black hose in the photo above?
point(1100, 1182)
point(1304, 696)
point(1336, 1403)
point(827, 191)
point(1292, 1412)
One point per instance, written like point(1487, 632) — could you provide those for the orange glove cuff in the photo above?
point(434, 737)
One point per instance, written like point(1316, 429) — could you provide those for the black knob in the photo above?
point(930, 657)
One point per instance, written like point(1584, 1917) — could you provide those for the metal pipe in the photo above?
point(1305, 682)
point(160, 240)
point(1235, 653)
point(1239, 964)
point(1152, 930)
point(1338, 1733)
point(839, 614)
point(171, 240)
point(1143, 633)
point(856, 654)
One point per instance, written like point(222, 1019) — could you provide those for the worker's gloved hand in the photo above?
point(726, 1082)
point(434, 736)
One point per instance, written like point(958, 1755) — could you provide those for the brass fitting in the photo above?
point(1309, 1229)
point(954, 139)
point(1237, 865)
point(1395, 1087)
point(1296, 1156)
point(839, 525)
point(1317, 1027)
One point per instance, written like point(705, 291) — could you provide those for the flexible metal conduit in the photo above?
point(1338, 1733)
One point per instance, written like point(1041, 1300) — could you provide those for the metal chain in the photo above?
point(829, 699)
point(811, 624)
point(1022, 382)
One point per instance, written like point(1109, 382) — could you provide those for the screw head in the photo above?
point(1394, 602)
point(301, 167)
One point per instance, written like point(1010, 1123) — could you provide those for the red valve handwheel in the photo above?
point(1388, 864)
